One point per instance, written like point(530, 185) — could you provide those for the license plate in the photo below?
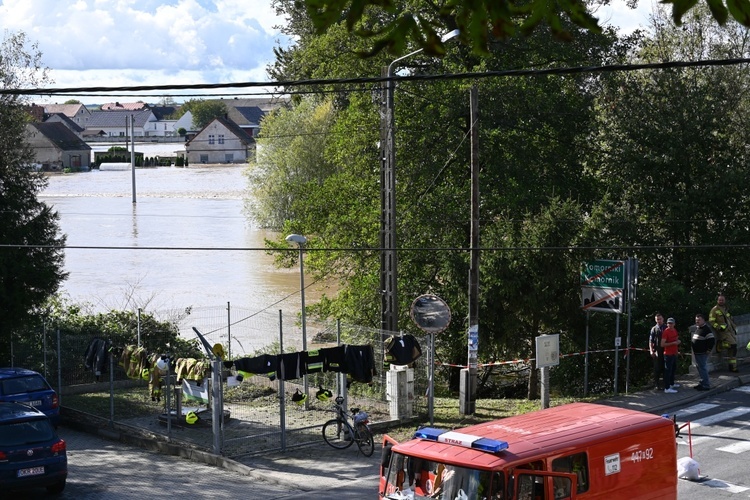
point(35, 403)
point(33, 471)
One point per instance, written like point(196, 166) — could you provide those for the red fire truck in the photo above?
point(579, 450)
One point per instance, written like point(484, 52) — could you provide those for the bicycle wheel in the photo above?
point(365, 440)
point(337, 434)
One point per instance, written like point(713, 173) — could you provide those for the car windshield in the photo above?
point(26, 432)
point(429, 479)
point(22, 385)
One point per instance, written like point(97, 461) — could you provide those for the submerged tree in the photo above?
point(31, 255)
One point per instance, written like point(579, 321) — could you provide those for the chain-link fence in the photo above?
point(259, 414)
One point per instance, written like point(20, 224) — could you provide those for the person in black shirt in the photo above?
point(702, 342)
point(656, 350)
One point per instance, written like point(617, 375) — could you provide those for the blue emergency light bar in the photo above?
point(460, 439)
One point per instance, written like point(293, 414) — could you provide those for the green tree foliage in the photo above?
point(676, 168)
point(72, 101)
point(31, 259)
point(395, 26)
point(531, 169)
point(290, 162)
point(572, 168)
point(203, 111)
point(121, 328)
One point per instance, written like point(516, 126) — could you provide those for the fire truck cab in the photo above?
point(579, 450)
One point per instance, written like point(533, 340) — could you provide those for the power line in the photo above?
point(401, 249)
point(573, 70)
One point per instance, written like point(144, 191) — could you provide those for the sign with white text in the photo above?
point(603, 274)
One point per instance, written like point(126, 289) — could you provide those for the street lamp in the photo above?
point(388, 258)
point(300, 241)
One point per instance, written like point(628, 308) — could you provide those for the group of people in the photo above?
point(664, 342)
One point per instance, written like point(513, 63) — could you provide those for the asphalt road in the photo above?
point(100, 469)
point(720, 438)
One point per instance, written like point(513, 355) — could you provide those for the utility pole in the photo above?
point(469, 380)
point(388, 257)
point(132, 153)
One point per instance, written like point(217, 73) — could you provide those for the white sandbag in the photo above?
point(687, 468)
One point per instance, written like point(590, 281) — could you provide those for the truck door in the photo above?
point(385, 459)
point(542, 485)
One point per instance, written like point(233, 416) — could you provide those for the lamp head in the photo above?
point(296, 238)
point(449, 35)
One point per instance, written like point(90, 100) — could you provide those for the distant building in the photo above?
point(248, 118)
point(36, 112)
point(112, 123)
point(125, 106)
point(186, 122)
point(79, 113)
point(221, 141)
point(61, 118)
point(56, 147)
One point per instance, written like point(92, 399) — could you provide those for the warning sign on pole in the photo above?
point(602, 299)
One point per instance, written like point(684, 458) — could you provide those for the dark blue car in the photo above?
point(26, 386)
point(31, 453)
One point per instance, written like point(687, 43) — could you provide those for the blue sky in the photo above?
point(91, 43)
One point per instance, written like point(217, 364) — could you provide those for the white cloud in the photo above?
point(625, 19)
point(148, 42)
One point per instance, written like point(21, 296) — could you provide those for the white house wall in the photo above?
point(202, 150)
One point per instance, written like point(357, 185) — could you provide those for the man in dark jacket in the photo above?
point(656, 350)
point(702, 342)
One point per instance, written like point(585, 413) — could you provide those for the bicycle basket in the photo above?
point(361, 418)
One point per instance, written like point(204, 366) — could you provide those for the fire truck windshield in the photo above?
point(407, 476)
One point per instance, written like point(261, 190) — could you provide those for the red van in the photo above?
point(579, 450)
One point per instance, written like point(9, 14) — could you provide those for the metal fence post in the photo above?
point(59, 370)
point(229, 331)
point(282, 401)
point(111, 392)
point(217, 404)
point(139, 327)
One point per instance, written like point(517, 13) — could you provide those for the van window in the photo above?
point(576, 464)
point(436, 480)
point(498, 486)
point(530, 487)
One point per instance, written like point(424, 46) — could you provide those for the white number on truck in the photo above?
point(638, 455)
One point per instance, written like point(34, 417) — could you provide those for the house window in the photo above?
point(204, 158)
point(221, 138)
point(211, 138)
point(75, 161)
point(229, 157)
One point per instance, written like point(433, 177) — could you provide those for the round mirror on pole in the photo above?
point(430, 313)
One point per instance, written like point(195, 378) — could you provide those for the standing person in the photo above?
point(722, 323)
point(656, 350)
point(702, 342)
point(670, 339)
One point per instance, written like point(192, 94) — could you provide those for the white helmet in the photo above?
point(162, 364)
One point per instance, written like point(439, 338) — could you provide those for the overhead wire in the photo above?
point(572, 70)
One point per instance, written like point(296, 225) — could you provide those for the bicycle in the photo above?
point(340, 434)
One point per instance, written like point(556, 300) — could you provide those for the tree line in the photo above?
point(590, 165)
point(648, 164)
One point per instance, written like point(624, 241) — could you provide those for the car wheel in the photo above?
point(56, 488)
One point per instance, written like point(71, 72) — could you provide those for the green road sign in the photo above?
point(603, 274)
